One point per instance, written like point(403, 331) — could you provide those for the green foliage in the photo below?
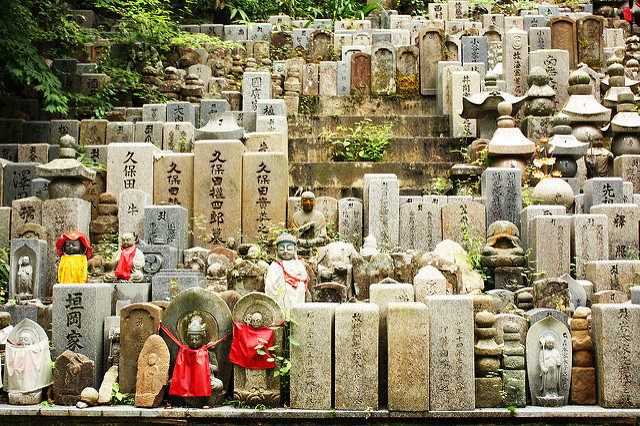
point(256, 10)
point(120, 398)
point(364, 142)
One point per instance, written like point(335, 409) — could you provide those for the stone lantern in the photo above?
point(565, 147)
point(509, 147)
point(625, 127)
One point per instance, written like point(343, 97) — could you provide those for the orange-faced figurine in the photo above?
point(74, 249)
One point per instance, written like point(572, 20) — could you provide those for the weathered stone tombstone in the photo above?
point(120, 132)
point(550, 242)
point(383, 69)
point(556, 63)
point(252, 384)
point(167, 225)
point(408, 356)
point(311, 361)
point(264, 195)
point(166, 284)
point(590, 41)
point(501, 188)
point(383, 211)
point(474, 49)
point(463, 83)
point(564, 37)
point(350, 220)
point(408, 71)
point(152, 112)
point(622, 222)
point(255, 86)
point(79, 311)
point(129, 166)
point(320, 45)
point(178, 137)
point(589, 240)
point(539, 39)
point(549, 362)
point(173, 179)
point(602, 190)
point(451, 353)
point(361, 74)
point(218, 168)
point(16, 181)
point(138, 321)
point(431, 43)
point(613, 274)
point(131, 205)
point(73, 373)
point(356, 360)
point(464, 222)
point(615, 336)
point(516, 53)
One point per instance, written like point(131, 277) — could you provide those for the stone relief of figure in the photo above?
point(550, 361)
point(25, 279)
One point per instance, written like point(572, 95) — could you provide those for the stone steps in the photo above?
point(400, 149)
point(344, 179)
point(404, 126)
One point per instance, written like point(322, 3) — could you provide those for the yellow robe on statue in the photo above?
point(72, 269)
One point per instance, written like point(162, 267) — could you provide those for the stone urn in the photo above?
point(553, 191)
point(220, 126)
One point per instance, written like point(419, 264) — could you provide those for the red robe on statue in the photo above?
point(123, 269)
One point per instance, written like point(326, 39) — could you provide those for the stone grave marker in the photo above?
point(129, 166)
point(515, 61)
point(350, 220)
point(360, 73)
point(564, 37)
point(431, 45)
point(589, 240)
point(602, 191)
point(131, 205)
point(383, 211)
point(627, 167)
point(383, 69)
point(622, 223)
point(173, 179)
point(59, 128)
point(556, 63)
point(539, 39)
point(154, 112)
point(28, 269)
point(464, 222)
point(501, 188)
point(167, 225)
point(550, 242)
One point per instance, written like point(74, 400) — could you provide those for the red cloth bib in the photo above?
point(292, 280)
point(243, 347)
point(626, 13)
point(123, 269)
point(191, 375)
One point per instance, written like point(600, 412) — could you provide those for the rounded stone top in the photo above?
point(561, 119)
point(613, 60)
point(525, 296)
point(633, 63)
point(490, 76)
point(538, 76)
point(67, 141)
point(615, 70)
point(485, 319)
point(582, 312)
point(504, 108)
point(191, 76)
point(579, 77)
point(171, 70)
point(108, 198)
point(633, 39)
point(267, 61)
point(511, 327)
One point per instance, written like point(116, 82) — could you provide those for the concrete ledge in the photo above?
point(284, 414)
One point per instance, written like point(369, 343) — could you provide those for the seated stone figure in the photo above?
point(74, 251)
point(128, 262)
point(286, 279)
point(196, 339)
point(503, 246)
point(309, 225)
point(334, 262)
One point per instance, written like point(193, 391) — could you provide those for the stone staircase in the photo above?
point(419, 149)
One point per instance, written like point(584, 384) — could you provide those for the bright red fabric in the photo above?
point(74, 235)
point(123, 269)
point(626, 13)
point(245, 340)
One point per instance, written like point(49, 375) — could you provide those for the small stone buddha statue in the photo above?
point(196, 339)
point(503, 246)
point(309, 225)
point(550, 362)
point(25, 279)
point(128, 262)
point(74, 249)
point(286, 279)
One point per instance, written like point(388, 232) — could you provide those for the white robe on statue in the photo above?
point(276, 285)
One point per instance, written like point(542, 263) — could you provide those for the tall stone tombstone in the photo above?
point(420, 226)
point(627, 167)
point(550, 245)
point(320, 45)
point(167, 225)
point(616, 337)
point(382, 294)
point(474, 49)
point(408, 71)
point(591, 41)
point(25, 210)
point(556, 63)
point(528, 213)
point(602, 190)
point(343, 79)
point(255, 86)
point(431, 44)
point(564, 37)
point(361, 74)
point(589, 241)
point(501, 188)
point(551, 387)
point(451, 353)
point(173, 179)
point(408, 356)
point(79, 311)
point(152, 112)
point(350, 220)
point(383, 211)
point(613, 274)
point(463, 83)
point(130, 166)
point(356, 356)
point(265, 186)
point(310, 79)
point(328, 78)
point(131, 205)
point(383, 69)
point(311, 359)
point(539, 38)
point(622, 221)
point(464, 222)
point(516, 54)
point(138, 321)
point(218, 170)
point(16, 181)
point(59, 216)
